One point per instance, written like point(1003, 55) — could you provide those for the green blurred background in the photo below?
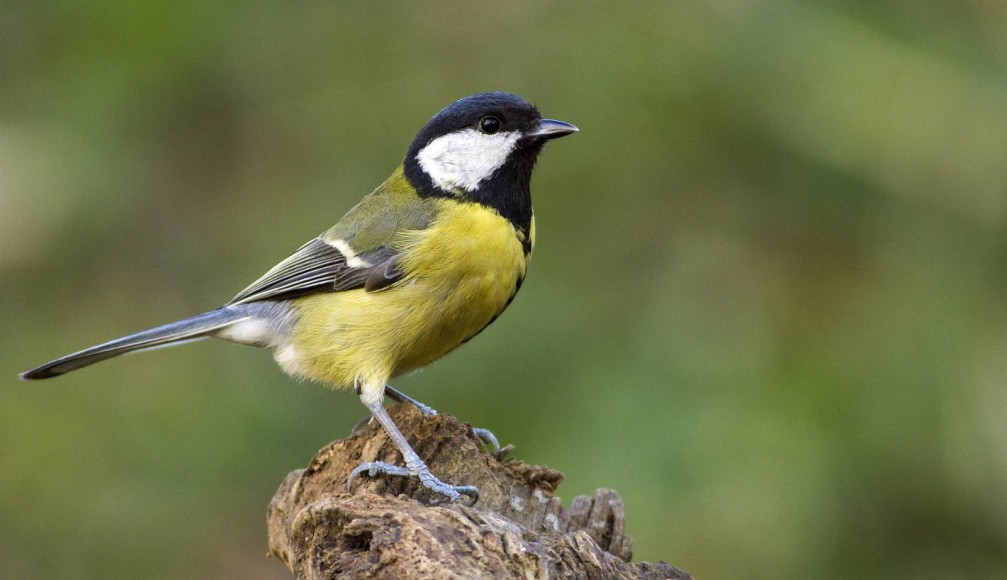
point(767, 303)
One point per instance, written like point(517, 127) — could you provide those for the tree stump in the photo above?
point(393, 527)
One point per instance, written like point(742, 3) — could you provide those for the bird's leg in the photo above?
point(414, 465)
point(399, 397)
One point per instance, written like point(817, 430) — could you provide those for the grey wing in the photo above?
point(317, 266)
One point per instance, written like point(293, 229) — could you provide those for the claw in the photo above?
point(415, 467)
point(452, 492)
point(487, 437)
point(374, 469)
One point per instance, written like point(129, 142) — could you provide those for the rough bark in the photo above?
point(392, 527)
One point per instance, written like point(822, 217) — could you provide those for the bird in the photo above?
point(416, 268)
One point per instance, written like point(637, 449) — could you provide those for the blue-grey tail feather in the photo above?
point(185, 330)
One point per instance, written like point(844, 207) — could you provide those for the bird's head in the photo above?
point(481, 143)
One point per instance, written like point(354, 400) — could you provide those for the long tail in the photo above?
point(185, 330)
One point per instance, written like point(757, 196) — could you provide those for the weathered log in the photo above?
point(392, 527)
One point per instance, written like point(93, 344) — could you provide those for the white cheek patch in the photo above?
point(465, 158)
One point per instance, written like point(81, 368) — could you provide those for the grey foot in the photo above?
point(429, 481)
point(398, 396)
point(487, 437)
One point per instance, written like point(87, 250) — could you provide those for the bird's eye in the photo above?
point(489, 125)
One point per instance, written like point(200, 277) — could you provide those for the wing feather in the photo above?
point(367, 232)
point(317, 266)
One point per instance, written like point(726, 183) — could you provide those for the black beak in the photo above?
point(551, 129)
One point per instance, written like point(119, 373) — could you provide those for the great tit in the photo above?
point(419, 266)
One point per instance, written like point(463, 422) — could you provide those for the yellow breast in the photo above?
point(460, 273)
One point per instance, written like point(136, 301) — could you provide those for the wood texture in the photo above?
point(392, 527)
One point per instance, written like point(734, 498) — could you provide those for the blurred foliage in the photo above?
point(767, 304)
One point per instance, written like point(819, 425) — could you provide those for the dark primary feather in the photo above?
point(315, 267)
